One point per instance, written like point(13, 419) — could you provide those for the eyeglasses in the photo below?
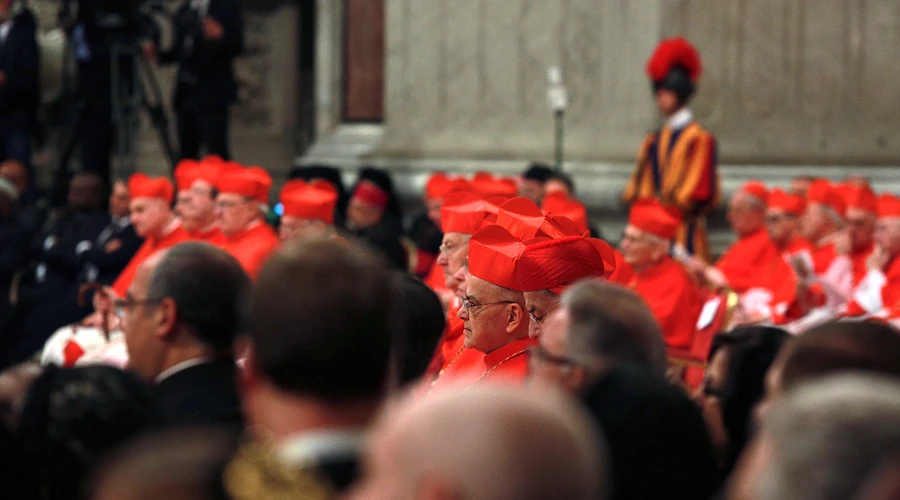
point(467, 303)
point(122, 306)
point(538, 319)
point(537, 356)
point(775, 219)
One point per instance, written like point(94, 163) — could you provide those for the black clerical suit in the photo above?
point(201, 394)
point(19, 87)
point(110, 253)
point(205, 84)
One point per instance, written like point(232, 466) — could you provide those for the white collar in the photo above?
point(680, 119)
point(320, 445)
point(180, 367)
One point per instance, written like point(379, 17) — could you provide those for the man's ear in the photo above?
point(514, 317)
point(166, 317)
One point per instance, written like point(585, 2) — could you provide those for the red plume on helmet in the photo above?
point(672, 53)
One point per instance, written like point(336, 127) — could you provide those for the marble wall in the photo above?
point(786, 81)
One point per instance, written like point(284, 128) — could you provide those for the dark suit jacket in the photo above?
point(13, 256)
point(204, 394)
point(656, 435)
point(103, 264)
point(206, 67)
point(20, 64)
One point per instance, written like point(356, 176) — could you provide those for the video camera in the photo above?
point(127, 16)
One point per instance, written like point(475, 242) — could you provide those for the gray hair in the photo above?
point(608, 321)
point(209, 288)
point(829, 436)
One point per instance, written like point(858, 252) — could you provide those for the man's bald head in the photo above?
point(16, 172)
point(485, 443)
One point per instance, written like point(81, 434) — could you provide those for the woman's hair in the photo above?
point(72, 419)
point(750, 352)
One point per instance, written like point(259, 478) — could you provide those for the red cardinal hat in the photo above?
point(757, 190)
point(141, 185)
point(860, 197)
point(650, 216)
point(487, 185)
point(525, 220)
point(791, 203)
point(888, 206)
point(189, 171)
point(559, 203)
point(823, 192)
point(252, 182)
point(315, 200)
point(463, 212)
point(493, 253)
point(555, 264)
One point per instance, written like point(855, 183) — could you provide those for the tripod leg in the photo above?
point(157, 113)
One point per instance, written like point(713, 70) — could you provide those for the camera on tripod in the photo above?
point(127, 17)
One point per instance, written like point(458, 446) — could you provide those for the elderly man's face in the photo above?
point(296, 228)
point(234, 212)
point(744, 214)
point(539, 306)
point(549, 360)
point(486, 317)
point(149, 216)
point(139, 324)
point(887, 235)
point(197, 203)
point(781, 226)
point(452, 256)
point(862, 228)
point(814, 222)
point(639, 249)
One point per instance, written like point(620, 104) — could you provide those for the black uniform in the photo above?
point(19, 90)
point(205, 85)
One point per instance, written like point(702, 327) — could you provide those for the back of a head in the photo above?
point(610, 322)
point(868, 346)
point(750, 352)
point(320, 315)
point(504, 443)
point(183, 464)
point(827, 437)
point(208, 286)
point(422, 323)
point(72, 419)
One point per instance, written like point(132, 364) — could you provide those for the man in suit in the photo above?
point(19, 81)
point(311, 379)
point(180, 318)
point(209, 35)
point(114, 247)
point(48, 296)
